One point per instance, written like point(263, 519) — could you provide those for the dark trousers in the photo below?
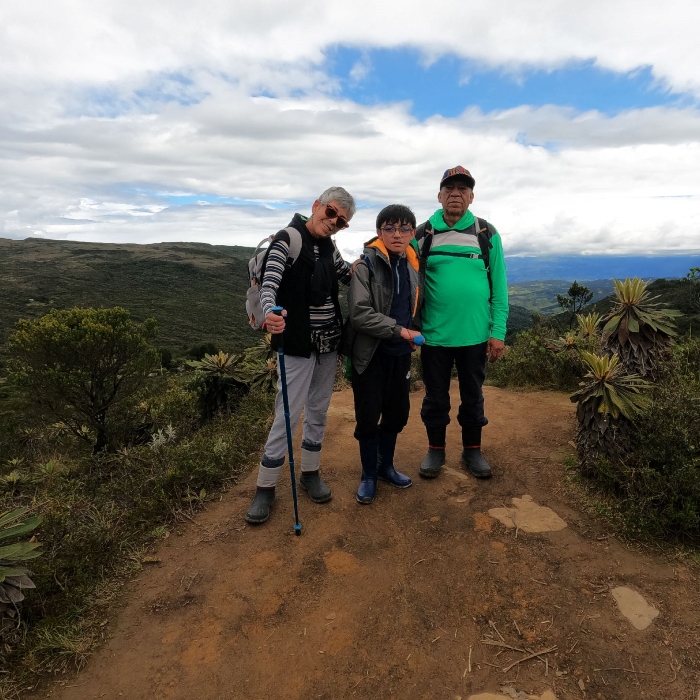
point(437, 365)
point(381, 391)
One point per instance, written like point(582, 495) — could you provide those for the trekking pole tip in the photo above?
point(297, 529)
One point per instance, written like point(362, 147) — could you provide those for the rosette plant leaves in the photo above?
point(14, 575)
point(638, 329)
point(608, 402)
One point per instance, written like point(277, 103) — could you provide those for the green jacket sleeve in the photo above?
point(499, 297)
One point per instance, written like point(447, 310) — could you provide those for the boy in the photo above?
point(383, 302)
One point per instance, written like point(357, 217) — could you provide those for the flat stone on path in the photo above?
point(510, 693)
point(528, 516)
point(633, 606)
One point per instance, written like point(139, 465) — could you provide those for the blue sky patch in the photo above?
point(452, 84)
point(184, 199)
point(111, 101)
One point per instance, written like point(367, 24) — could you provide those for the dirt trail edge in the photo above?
point(443, 590)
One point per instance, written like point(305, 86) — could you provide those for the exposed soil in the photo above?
point(412, 597)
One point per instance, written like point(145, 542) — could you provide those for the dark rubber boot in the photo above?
point(368, 483)
point(474, 461)
point(259, 510)
point(314, 485)
point(472, 458)
point(432, 462)
point(386, 446)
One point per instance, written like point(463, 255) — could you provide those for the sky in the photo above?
point(148, 121)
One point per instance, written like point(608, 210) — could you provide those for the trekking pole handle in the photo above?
point(419, 340)
point(277, 310)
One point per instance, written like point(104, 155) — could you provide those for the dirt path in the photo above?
point(392, 600)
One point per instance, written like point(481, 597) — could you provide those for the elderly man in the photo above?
point(307, 288)
point(465, 308)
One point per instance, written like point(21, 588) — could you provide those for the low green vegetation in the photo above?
point(102, 452)
point(636, 382)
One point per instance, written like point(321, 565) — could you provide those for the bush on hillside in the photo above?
point(659, 482)
point(530, 362)
point(80, 366)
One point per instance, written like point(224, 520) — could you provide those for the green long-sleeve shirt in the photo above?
point(456, 308)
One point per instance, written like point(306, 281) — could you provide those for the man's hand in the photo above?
point(274, 323)
point(494, 349)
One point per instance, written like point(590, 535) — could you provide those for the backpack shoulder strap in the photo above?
point(295, 244)
point(424, 233)
point(290, 236)
point(484, 232)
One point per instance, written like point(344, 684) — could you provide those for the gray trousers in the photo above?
point(309, 388)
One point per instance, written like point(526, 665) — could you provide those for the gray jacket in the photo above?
point(369, 302)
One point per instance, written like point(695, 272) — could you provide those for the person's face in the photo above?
point(456, 196)
point(327, 219)
point(396, 237)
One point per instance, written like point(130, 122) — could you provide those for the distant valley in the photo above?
point(587, 267)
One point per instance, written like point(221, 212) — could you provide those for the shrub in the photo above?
point(529, 362)
point(80, 364)
point(658, 483)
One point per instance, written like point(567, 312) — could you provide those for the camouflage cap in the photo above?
point(460, 172)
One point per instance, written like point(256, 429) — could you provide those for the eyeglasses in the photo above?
point(340, 221)
point(403, 231)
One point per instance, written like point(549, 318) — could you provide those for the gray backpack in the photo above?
point(256, 271)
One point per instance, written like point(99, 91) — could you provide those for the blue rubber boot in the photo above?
point(368, 483)
point(386, 446)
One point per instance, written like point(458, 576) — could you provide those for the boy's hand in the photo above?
point(409, 335)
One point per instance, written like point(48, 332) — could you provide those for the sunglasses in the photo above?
point(340, 221)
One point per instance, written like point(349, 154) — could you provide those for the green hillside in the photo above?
point(195, 291)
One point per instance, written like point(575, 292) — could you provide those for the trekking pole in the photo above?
point(419, 340)
point(283, 375)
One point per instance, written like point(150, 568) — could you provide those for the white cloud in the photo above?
point(105, 107)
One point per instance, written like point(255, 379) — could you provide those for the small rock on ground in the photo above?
point(528, 516)
point(633, 606)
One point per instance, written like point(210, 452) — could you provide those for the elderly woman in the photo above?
point(307, 289)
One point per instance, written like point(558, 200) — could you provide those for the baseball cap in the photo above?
point(458, 171)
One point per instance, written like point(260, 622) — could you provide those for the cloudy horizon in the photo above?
point(152, 122)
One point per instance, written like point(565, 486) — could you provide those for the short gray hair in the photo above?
point(343, 197)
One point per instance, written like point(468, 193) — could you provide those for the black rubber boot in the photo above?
point(432, 462)
point(314, 485)
point(474, 461)
point(472, 458)
point(368, 483)
point(386, 446)
point(259, 510)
